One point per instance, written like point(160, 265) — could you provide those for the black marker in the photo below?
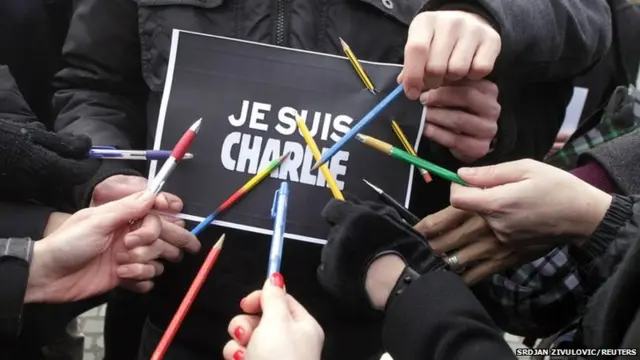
point(404, 212)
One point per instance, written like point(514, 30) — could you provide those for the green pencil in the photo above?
point(418, 162)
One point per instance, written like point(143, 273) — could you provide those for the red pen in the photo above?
point(177, 155)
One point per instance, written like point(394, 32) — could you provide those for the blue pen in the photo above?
point(111, 153)
point(279, 214)
point(366, 120)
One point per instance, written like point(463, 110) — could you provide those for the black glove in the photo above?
point(33, 159)
point(360, 233)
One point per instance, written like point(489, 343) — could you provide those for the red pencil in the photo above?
point(175, 323)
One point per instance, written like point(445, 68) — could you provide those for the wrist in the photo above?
point(381, 278)
point(592, 212)
point(38, 283)
point(56, 219)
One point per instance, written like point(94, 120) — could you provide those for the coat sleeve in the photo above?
point(438, 318)
point(99, 90)
point(620, 158)
point(543, 40)
point(23, 219)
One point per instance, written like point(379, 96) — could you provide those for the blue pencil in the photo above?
point(366, 120)
point(279, 215)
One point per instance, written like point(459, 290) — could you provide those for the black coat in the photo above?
point(115, 60)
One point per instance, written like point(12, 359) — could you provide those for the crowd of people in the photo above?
point(540, 244)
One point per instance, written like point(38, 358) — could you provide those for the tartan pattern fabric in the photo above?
point(539, 297)
point(610, 127)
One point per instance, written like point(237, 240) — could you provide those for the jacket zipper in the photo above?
point(280, 11)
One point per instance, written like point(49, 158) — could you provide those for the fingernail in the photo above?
point(242, 302)
point(466, 171)
point(238, 355)
point(175, 205)
point(424, 98)
point(277, 280)
point(238, 333)
point(122, 257)
point(131, 241)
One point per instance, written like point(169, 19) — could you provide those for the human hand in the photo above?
point(448, 45)
point(173, 237)
point(284, 330)
point(525, 201)
point(360, 234)
point(80, 258)
point(463, 116)
point(35, 160)
point(468, 237)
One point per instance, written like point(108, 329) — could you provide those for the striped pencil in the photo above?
point(405, 156)
point(366, 80)
point(255, 180)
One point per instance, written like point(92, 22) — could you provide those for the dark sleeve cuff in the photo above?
point(618, 214)
point(14, 274)
point(83, 193)
point(23, 219)
point(430, 317)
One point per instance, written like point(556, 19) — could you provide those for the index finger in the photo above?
point(460, 236)
point(274, 302)
point(416, 53)
point(442, 221)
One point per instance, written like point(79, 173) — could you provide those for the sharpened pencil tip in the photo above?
point(360, 137)
point(220, 241)
point(316, 166)
point(285, 156)
point(196, 126)
point(344, 44)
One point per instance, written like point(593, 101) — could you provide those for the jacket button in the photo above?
point(388, 4)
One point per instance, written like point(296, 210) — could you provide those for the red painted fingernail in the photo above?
point(277, 280)
point(238, 355)
point(238, 333)
point(242, 302)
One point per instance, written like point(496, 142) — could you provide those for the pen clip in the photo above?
point(274, 207)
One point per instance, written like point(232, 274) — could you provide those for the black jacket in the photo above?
point(438, 318)
point(115, 60)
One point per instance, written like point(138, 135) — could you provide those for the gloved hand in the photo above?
point(32, 158)
point(360, 233)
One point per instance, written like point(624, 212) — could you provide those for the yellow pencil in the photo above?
point(405, 143)
point(304, 131)
point(357, 67)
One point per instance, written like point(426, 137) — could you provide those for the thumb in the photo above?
point(274, 300)
point(496, 175)
point(132, 207)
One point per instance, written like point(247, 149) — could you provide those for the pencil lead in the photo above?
point(285, 156)
point(316, 166)
point(360, 137)
point(373, 91)
point(220, 242)
point(344, 44)
point(375, 188)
